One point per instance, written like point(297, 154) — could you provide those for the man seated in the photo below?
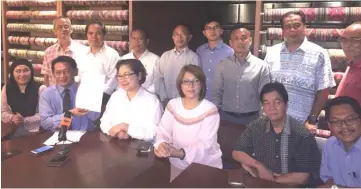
point(277, 147)
point(60, 98)
point(341, 156)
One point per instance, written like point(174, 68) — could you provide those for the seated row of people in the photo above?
point(275, 146)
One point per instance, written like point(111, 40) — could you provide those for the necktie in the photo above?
point(66, 100)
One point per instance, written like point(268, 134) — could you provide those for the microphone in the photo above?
point(323, 133)
point(64, 125)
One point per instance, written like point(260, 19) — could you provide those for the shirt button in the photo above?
point(209, 70)
point(277, 157)
point(210, 60)
point(237, 86)
point(276, 140)
point(237, 96)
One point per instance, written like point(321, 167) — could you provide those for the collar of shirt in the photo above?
point(286, 128)
point(138, 95)
point(302, 47)
point(185, 49)
point(356, 64)
point(217, 47)
point(141, 56)
point(71, 47)
point(72, 87)
point(357, 145)
point(88, 51)
point(235, 59)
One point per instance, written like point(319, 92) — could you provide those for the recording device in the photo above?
point(323, 133)
point(64, 125)
point(42, 150)
point(58, 161)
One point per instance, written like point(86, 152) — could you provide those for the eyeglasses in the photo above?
point(356, 40)
point(124, 76)
point(60, 73)
point(209, 28)
point(294, 26)
point(348, 122)
point(190, 82)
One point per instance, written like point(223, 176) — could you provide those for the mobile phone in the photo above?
point(235, 178)
point(42, 150)
point(144, 148)
point(9, 154)
point(58, 161)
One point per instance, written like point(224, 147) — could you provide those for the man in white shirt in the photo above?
point(171, 62)
point(99, 59)
point(139, 41)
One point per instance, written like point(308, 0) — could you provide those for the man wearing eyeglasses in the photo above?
point(341, 156)
point(303, 67)
point(212, 52)
point(238, 80)
point(351, 44)
point(60, 98)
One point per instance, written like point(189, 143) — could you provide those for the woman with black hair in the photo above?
point(19, 99)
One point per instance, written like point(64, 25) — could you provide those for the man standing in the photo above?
point(99, 59)
point(238, 81)
point(212, 53)
point(276, 146)
point(138, 43)
point(303, 67)
point(65, 46)
point(341, 165)
point(60, 98)
point(171, 62)
point(351, 44)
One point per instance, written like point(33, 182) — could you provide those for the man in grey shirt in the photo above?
point(171, 62)
point(238, 81)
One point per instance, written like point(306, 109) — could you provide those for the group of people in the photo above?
point(180, 98)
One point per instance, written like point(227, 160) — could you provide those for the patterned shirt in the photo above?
point(75, 49)
point(167, 70)
point(341, 166)
point(209, 59)
point(236, 85)
point(351, 83)
point(303, 72)
point(293, 150)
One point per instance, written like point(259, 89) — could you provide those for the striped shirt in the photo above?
point(299, 153)
point(167, 70)
point(303, 72)
point(75, 49)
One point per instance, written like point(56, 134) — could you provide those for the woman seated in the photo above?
point(19, 100)
point(131, 111)
point(187, 132)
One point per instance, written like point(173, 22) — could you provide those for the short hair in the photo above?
point(188, 29)
point(198, 73)
point(212, 20)
point(299, 13)
point(145, 33)
point(277, 87)
point(237, 27)
point(342, 100)
point(136, 66)
point(60, 17)
point(66, 59)
point(103, 29)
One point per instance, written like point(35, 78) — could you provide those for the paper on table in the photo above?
point(73, 136)
point(90, 92)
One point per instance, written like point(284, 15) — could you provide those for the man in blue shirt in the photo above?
point(341, 157)
point(51, 107)
point(213, 52)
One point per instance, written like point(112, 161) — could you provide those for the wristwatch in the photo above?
point(312, 119)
